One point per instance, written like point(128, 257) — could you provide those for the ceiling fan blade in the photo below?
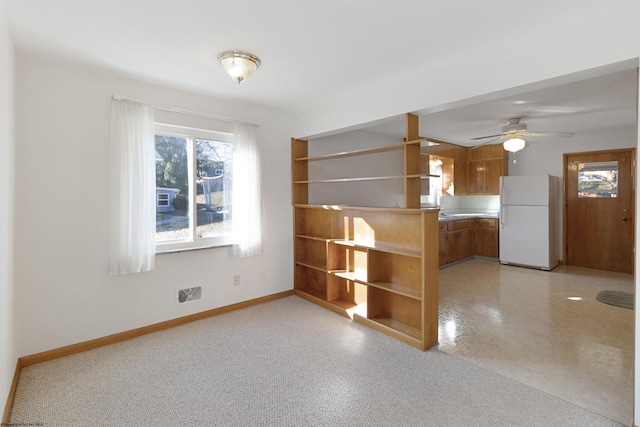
point(486, 142)
point(548, 133)
point(485, 137)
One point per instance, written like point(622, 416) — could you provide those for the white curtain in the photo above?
point(132, 220)
point(247, 191)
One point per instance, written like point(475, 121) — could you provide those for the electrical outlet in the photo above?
point(263, 276)
point(236, 280)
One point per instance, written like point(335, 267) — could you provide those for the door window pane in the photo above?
point(598, 180)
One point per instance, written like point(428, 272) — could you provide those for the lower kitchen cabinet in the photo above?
point(454, 239)
point(485, 232)
point(443, 247)
point(462, 239)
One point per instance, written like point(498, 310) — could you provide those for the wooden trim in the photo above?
point(122, 336)
point(412, 165)
point(367, 178)
point(366, 208)
point(363, 151)
point(8, 407)
point(411, 123)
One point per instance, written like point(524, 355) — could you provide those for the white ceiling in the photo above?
point(312, 51)
point(586, 106)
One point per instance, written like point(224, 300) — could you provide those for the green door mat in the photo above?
point(617, 298)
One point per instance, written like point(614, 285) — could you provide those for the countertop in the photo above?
point(466, 215)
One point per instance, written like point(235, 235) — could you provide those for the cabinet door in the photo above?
point(481, 241)
point(463, 243)
point(473, 237)
point(443, 247)
point(453, 246)
point(492, 248)
point(475, 177)
point(492, 173)
point(486, 242)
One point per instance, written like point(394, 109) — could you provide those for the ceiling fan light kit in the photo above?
point(514, 132)
point(514, 144)
point(239, 65)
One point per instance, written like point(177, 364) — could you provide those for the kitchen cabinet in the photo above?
point(454, 241)
point(454, 167)
point(484, 176)
point(485, 237)
point(443, 247)
point(485, 166)
point(462, 239)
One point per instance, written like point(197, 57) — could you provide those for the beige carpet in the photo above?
point(283, 363)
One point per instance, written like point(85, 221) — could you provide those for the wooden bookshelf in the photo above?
point(413, 169)
point(390, 283)
point(379, 266)
point(364, 151)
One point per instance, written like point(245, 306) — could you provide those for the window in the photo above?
point(193, 188)
point(598, 180)
point(163, 199)
point(433, 187)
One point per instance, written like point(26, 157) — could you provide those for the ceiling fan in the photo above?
point(515, 132)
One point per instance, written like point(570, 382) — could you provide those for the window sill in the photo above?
point(181, 246)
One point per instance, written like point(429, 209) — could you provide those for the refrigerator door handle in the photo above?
point(501, 216)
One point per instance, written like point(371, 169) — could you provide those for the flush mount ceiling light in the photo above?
point(514, 144)
point(239, 65)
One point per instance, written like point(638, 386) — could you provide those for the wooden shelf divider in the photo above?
point(378, 266)
point(362, 151)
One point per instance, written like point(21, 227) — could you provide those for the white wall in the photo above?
point(63, 292)
point(8, 348)
point(546, 156)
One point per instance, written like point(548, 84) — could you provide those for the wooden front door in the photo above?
point(599, 209)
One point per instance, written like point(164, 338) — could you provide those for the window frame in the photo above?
point(191, 134)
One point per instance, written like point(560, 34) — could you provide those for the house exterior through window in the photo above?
point(193, 188)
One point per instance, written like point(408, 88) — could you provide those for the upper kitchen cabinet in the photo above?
point(454, 166)
point(470, 171)
point(485, 166)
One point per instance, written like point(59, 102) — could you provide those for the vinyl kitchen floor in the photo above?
point(545, 329)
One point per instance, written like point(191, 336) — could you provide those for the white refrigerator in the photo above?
point(529, 221)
